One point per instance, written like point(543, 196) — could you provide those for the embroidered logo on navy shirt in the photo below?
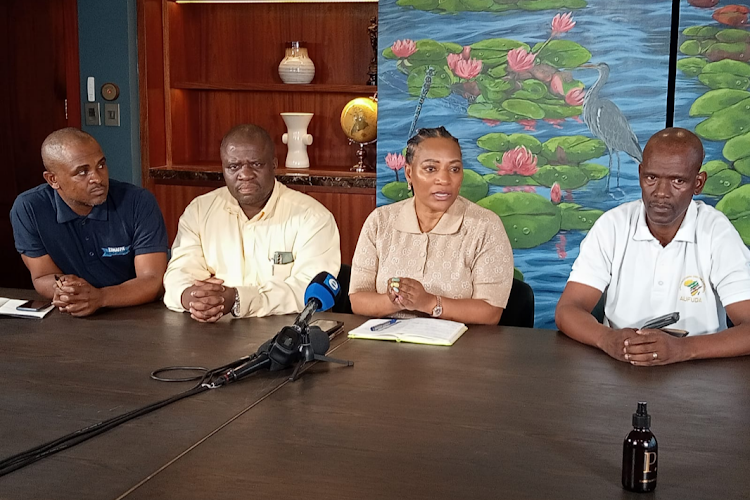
point(115, 251)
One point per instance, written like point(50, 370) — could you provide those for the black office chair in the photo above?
point(520, 308)
point(343, 304)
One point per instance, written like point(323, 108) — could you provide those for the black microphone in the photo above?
point(278, 353)
point(320, 295)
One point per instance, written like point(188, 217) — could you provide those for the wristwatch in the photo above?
point(236, 306)
point(438, 309)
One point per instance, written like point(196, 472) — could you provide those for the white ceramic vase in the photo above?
point(297, 139)
point(296, 67)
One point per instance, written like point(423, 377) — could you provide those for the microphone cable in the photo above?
point(37, 453)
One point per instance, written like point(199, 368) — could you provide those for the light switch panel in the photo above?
point(111, 114)
point(91, 110)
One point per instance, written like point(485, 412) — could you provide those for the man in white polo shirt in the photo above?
point(658, 255)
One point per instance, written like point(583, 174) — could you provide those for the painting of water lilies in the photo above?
point(551, 100)
point(713, 99)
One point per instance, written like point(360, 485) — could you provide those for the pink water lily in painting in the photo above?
point(519, 60)
point(518, 160)
point(562, 23)
point(395, 161)
point(555, 194)
point(574, 97)
point(555, 122)
point(404, 48)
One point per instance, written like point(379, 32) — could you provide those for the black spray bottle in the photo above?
point(639, 454)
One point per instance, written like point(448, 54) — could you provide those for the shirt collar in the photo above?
point(66, 214)
point(268, 209)
point(686, 232)
point(449, 223)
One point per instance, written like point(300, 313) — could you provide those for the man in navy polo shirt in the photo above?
point(88, 241)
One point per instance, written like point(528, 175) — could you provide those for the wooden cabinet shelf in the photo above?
point(279, 87)
point(196, 62)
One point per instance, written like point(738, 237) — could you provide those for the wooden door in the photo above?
point(39, 72)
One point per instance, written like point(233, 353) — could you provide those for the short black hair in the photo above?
point(426, 133)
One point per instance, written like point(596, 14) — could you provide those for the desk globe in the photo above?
point(359, 121)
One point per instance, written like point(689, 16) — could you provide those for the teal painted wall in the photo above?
point(107, 41)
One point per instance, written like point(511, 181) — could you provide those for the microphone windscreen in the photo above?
point(325, 288)
point(319, 340)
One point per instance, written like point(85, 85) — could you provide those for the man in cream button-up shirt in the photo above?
point(252, 247)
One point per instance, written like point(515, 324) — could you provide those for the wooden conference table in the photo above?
point(504, 413)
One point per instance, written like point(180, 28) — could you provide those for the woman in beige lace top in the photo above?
point(436, 253)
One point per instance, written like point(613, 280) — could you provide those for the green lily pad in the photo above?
point(728, 66)
point(528, 141)
point(575, 149)
point(536, 5)
point(517, 274)
point(523, 107)
point(496, 141)
point(396, 191)
point(477, 5)
point(529, 219)
point(562, 54)
point(531, 89)
point(691, 66)
point(568, 177)
point(713, 167)
point(736, 206)
point(428, 52)
point(743, 166)
point(473, 187)
point(560, 110)
point(701, 31)
point(691, 47)
point(491, 159)
point(441, 82)
point(724, 81)
point(594, 171)
point(580, 219)
point(419, 4)
point(737, 147)
point(498, 71)
point(736, 51)
point(722, 182)
point(706, 45)
point(510, 180)
point(388, 54)
point(493, 89)
point(453, 48)
point(488, 111)
point(727, 123)
point(733, 35)
point(715, 100)
point(497, 44)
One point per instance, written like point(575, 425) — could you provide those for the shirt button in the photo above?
point(91, 254)
point(83, 223)
point(87, 238)
point(661, 283)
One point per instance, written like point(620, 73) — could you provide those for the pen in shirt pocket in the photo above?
point(383, 326)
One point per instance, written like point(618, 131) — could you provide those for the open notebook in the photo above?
point(8, 308)
point(417, 330)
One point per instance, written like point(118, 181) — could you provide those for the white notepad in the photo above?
point(430, 331)
point(8, 308)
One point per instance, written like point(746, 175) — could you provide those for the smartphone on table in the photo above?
point(34, 305)
point(662, 322)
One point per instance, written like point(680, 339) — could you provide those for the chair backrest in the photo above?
point(520, 308)
point(343, 304)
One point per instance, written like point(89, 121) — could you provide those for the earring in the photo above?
point(408, 185)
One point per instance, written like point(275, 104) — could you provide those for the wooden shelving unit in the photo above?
point(205, 67)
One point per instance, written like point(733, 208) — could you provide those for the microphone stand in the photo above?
point(308, 355)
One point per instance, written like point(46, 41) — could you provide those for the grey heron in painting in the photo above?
point(606, 122)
